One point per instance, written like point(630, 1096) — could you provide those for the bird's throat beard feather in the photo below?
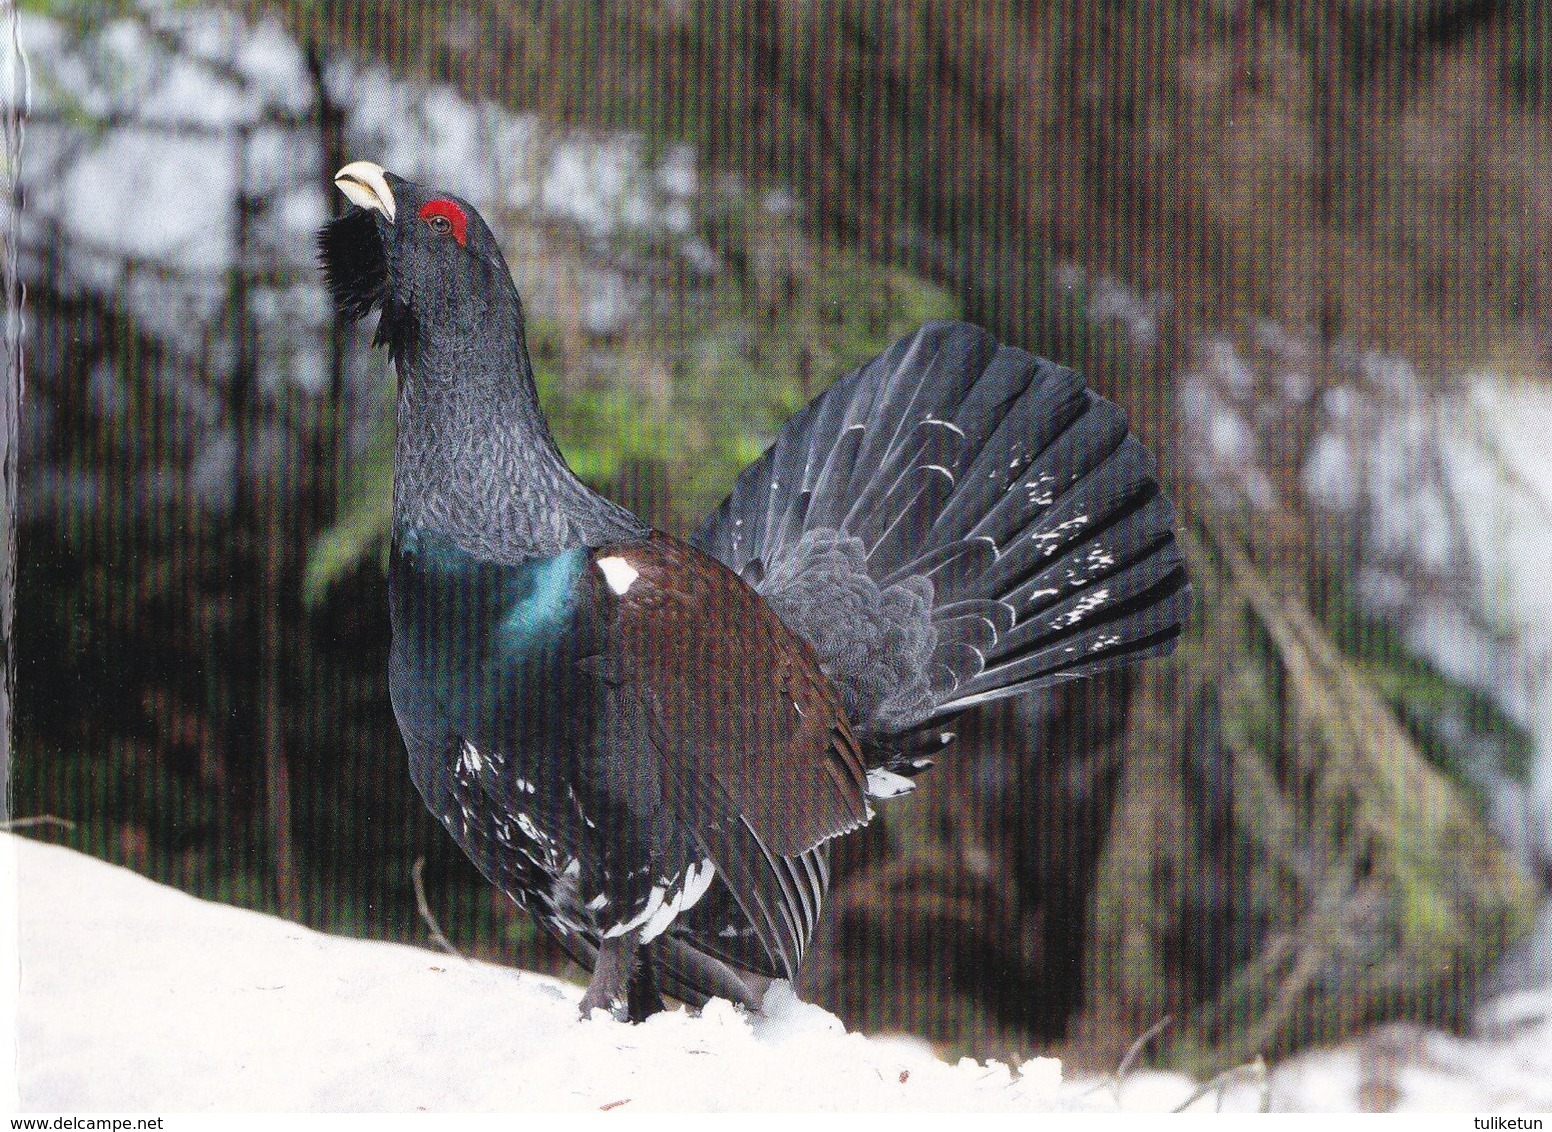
point(355, 265)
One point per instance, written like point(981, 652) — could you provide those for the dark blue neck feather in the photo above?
point(475, 460)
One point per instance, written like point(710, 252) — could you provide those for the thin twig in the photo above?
point(425, 911)
point(41, 819)
point(1133, 1052)
point(1253, 1071)
point(1130, 1058)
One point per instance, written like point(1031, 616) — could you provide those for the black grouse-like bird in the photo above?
point(649, 743)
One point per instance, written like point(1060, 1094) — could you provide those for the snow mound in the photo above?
point(134, 996)
point(1504, 1066)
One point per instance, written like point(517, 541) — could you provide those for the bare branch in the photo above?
point(441, 940)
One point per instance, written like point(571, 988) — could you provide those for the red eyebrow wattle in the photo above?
point(454, 214)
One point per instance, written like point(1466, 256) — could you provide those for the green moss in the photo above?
point(1459, 729)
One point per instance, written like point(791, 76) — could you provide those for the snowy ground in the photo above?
point(136, 997)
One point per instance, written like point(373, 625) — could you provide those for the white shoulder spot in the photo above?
point(619, 573)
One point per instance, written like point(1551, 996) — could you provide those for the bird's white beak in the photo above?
point(365, 184)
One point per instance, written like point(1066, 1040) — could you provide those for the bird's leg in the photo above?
point(644, 999)
point(622, 983)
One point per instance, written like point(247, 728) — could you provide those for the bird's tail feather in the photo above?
point(955, 522)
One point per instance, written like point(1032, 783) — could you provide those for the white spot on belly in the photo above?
point(471, 758)
point(531, 831)
point(619, 573)
point(887, 784)
point(666, 901)
point(654, 902)
point(697, 879)
point(692, 886)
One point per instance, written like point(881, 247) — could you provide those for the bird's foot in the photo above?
point(623, 982)
point(598, 998)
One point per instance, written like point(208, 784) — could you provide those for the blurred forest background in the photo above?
point(1304, 244)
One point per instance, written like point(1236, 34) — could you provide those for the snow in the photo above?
point(137, 997)
point(1456, 493)
point(1505, 1066)
point(128, 117)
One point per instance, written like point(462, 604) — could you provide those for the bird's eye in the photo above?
point(445, 218)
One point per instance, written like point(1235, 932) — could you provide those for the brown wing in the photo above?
point(757, 757)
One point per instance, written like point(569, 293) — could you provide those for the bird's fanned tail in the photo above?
point(955, 522)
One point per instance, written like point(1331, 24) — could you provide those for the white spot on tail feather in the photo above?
point(697, 879)
point(620, 574)
point(1051, 539)
point(1084, 606)
point(1040, 490)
